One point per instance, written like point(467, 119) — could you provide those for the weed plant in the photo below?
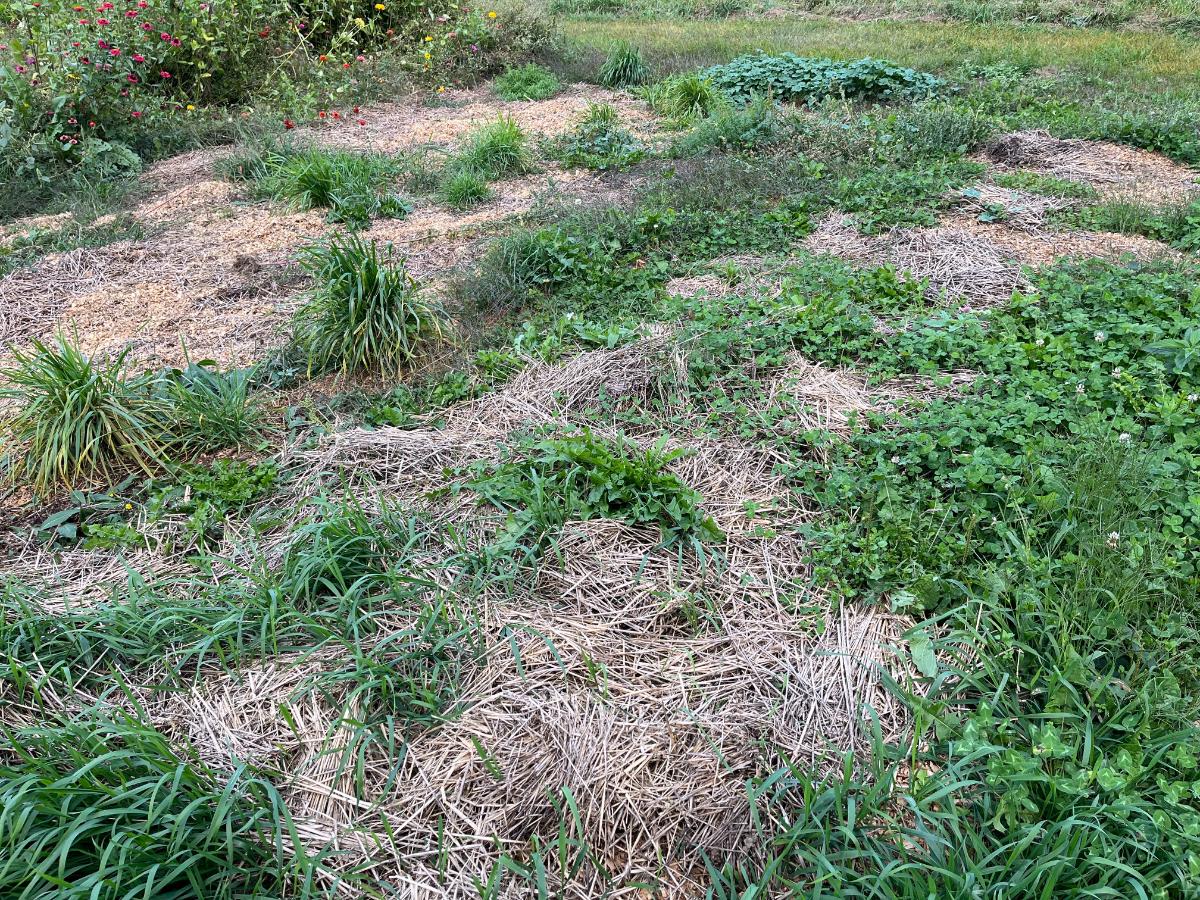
point(528, 82)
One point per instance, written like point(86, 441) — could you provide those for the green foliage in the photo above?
point(365, 313)
point(465, 188)
point(1095, 347)
point(26, 249)
point(746, 127)
point(347, 184)
point(1048, 185)
point(936, 129)
point(76, 419)
point(105, 807)
point(791, 77)
point(547, 483)
point(1177, 225)
point(686, 98)
point(624, 67)
point(497, 150)
point(528, 82)
point(212, 410)
point(599, 143)
point(888, 195)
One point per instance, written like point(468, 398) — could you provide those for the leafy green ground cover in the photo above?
point(1038, 522)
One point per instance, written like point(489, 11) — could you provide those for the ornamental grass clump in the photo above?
point(76, 419)
point(366, 312)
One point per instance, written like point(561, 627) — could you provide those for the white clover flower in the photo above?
point(1192, 398)
point(895, 460)
point(1116, 373)
point(1125, 437)
point(1040, 342)
point(1079, 388)
point(1114, 538)
point(1099, 336)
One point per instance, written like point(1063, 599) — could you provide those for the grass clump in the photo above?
point(212, 409)
point(366, 313)
point(465, 188)
point(1177, 225)
point(77, 419)
point(528, 82)
point(1047, 185)
point(106, 807)
point(624, 67)
point(580, 477)
point(497, 150)
point(685, 98)
point(352, 186)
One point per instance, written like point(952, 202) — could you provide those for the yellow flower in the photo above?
point(492, 14)
point(427, 56)
point(381, 6)
point(189, 108)
point(360, 23)
point(428, 38)
point(441, 89)
point(130, 505)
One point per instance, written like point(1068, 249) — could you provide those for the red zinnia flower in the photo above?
point(336, 114)
point(146, 26)
point(356, 109)
point(176, 42)
point(345, 65)
point(136, 114)
point(321, 114)
point(102, 21)
point(131, 13)
point(164, 74)
point(137, 57)
point(91, 124)
point(102, 44)
point(131, 78)
point(289, 124)
point(115, 51)
point(165, 36)
point(362, 121)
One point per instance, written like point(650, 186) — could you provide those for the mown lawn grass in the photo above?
point(1131, 60)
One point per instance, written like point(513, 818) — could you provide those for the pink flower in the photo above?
point(72, 121)
point(131, 13)
point(136, 114)
point(142, 4)
point(176, 42)
point(361, 58)
point(137, 57)
point(362, 121)
point(131, 78)
point(115, 51)
point(102, 44)
point(164, 74)
point(20, 69)
point(146, 26)
point(165, 36)
point(84, 22)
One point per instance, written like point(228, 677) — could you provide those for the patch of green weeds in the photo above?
point(1046, 185)
point(1177, 225)
point(599, 142)
point(624, 67)
point(528, 82)
point(882, 197)
point(545, 483)
point(26, 249)
point(790, 77)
